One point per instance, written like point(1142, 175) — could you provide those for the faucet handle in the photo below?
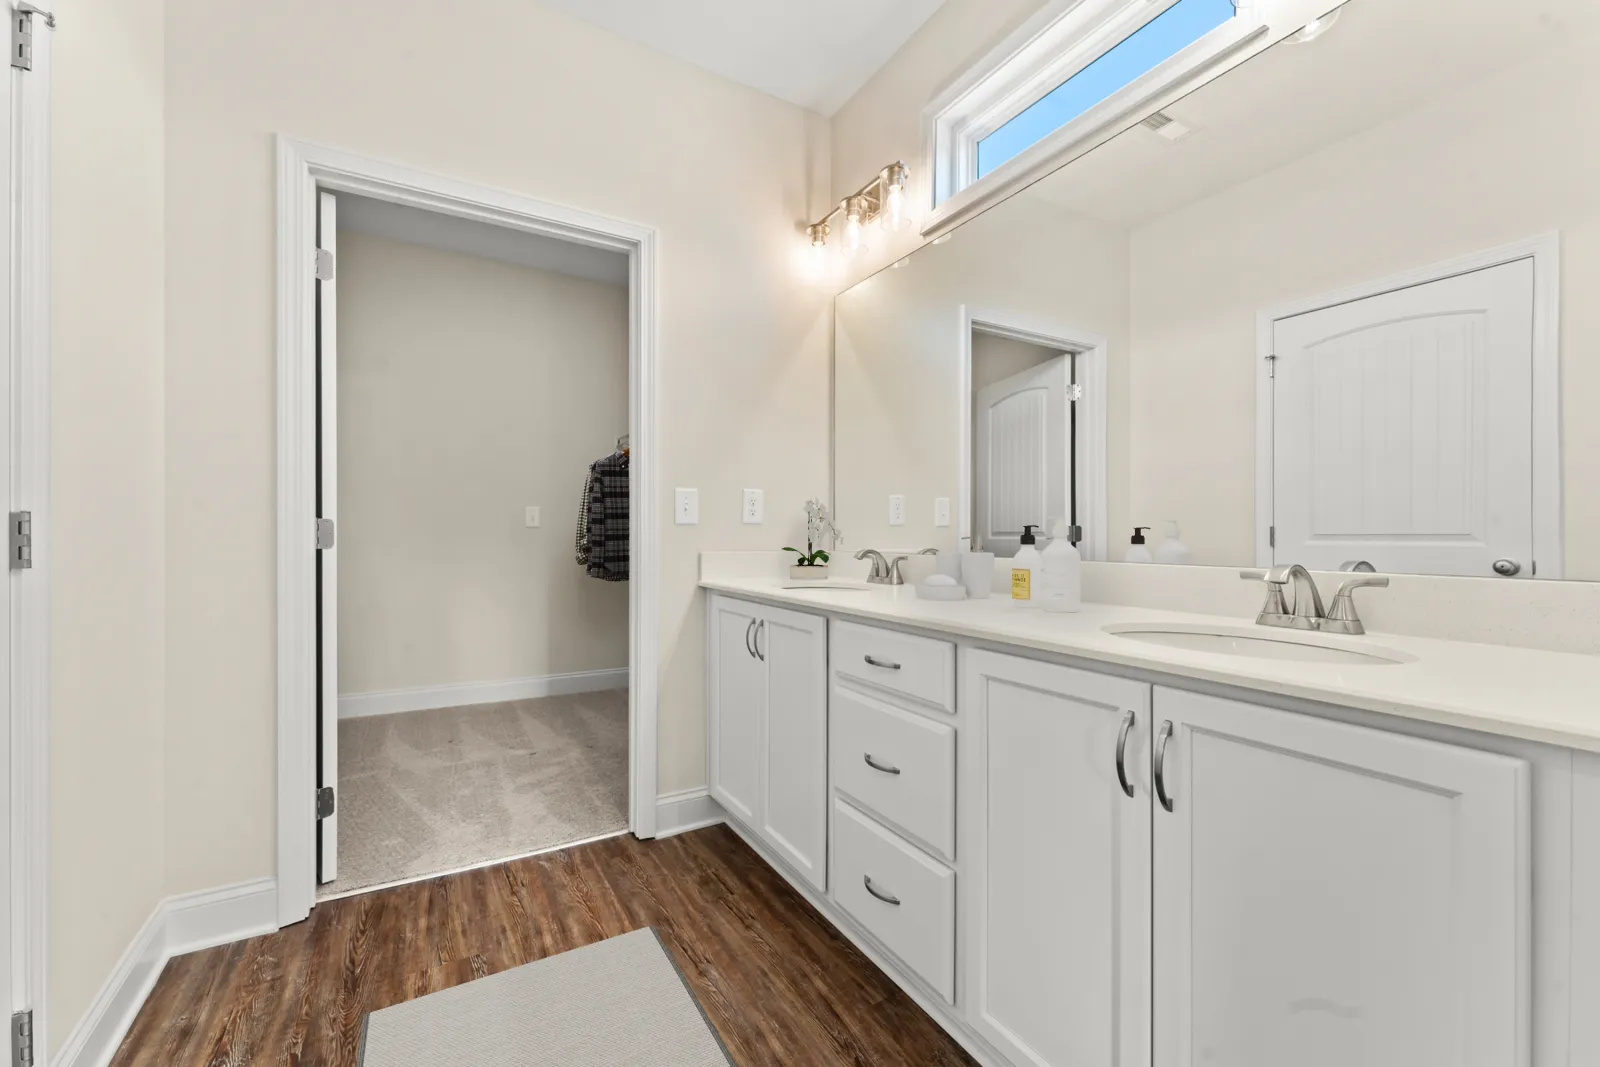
point(1377, 581)
point(1343, 609)
point(895, 577)
point(1275, 604)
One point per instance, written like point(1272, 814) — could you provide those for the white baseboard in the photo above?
point(393, 701)
point(687, 809)
point(179, 925)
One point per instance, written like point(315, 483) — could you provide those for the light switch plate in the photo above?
point(686, 507)
point(755, 507)
point(941, 511)
point(897, 510)
point(530, 516)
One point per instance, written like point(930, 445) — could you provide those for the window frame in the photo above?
point(1062, 39)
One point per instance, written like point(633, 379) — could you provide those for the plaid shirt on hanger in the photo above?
point(608, 518)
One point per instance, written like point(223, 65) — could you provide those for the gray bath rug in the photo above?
point(618, 1003)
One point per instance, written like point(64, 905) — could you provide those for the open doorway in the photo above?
point(474, 458)
point(428, 568)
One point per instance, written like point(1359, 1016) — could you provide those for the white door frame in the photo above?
point(1089, 444)
point(28, 700)
point(1545, 251)
point(302, 169)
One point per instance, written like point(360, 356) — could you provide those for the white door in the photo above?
point(1403, 428)
point(1022, 454)
point(1057, 862)
point(12, 936)
point(328, 556)
point(738, 703)
point(794, 810)
point(1329, 895)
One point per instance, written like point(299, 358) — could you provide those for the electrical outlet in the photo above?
point(897, 510)
point(941, 511)
point(755, 507)
point(686, 507)
point(530, 516)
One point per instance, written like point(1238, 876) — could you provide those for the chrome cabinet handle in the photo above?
point(748, 647)
point(885, 664)
point(875, 765)
point(1122, 752)
point(1159, 774)
point(761, 628)
point(887, 898)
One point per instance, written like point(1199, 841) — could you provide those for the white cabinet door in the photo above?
point(794, 812)
point(1329, 895)
point(738, 682)
point(1057, 862)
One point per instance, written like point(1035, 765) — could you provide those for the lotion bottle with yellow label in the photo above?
point(1025, 570)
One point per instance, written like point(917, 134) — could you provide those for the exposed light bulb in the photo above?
point(1317, 27)
point(852, 237)
point(896, 214)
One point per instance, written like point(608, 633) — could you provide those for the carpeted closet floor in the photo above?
point(429, 791)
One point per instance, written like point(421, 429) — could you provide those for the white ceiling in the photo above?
point(397, 222)
point(815, 53)
point(1381, 59)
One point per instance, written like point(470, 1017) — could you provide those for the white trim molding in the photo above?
point(1548, 480)
point(303, 169)
point(179, 925)
point(1089, 445)
point(1059, 40)
point(463, 694)
point(685, 810)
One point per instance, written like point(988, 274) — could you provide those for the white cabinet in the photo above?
point(1328, 895)
point(768, 729)
point(1056, 849)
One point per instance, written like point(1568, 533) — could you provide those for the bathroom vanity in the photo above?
point(1073, 845)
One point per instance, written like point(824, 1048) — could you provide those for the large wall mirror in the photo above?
point(1337, 305)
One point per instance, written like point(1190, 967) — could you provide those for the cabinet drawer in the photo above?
point(899, 764)
point(904, 898)
point(919, 667)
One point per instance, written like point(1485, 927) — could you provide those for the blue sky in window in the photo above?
point(1156, 41)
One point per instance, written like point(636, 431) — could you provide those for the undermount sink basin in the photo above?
point(1259, 642)
point(829, 585)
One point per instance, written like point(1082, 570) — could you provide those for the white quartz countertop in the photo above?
point(1553, 697)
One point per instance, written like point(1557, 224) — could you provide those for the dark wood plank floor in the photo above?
point(778, 983)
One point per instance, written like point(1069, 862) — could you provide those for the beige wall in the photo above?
point(547, 107)
point(107, 663)
point(1509, 158)
point(469, 389)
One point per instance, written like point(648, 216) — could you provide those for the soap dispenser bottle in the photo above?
point(1137, 553)
point(1025, 569)
point(1063, 572)
point(1172, 549)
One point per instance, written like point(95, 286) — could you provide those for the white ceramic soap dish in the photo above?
point(941, 592)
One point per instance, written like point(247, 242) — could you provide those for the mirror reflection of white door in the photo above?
point(1022, 454)
point(1403, 428)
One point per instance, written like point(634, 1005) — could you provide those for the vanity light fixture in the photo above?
point(1317, 27)
point(884, 200)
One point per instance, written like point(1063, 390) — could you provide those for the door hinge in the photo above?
point(1074, 393)
point(325, 534)
point(21, 540)
point(22, 33)
point(324, 265)
point(325, 803)
point(1272, 366)
point(22, 1039)
point(1272, 537)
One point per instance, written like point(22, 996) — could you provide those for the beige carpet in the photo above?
point(427, 791)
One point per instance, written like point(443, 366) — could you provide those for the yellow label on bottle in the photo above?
point(1021, 584)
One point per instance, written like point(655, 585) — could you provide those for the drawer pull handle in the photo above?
point(887, 898)
point(1160, 769)
point(885, 664)
point(1122, 752)
point(875, 765)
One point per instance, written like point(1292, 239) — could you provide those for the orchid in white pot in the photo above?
point(812, 564)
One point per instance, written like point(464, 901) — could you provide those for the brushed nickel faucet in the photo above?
point(884, 571)
point(1307, 611)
